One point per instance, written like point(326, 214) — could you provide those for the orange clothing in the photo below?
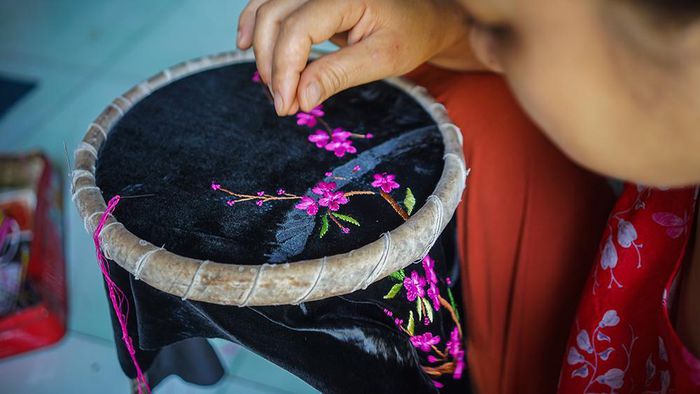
point(528, 226)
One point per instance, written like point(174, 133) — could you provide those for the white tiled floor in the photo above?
point(83, 53)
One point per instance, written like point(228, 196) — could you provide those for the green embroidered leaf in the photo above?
point(453, 303)
point(324, 226)
point(428, 309)
point(409, 201)
point(419, 308)
point(393, 291)
point(346, 218)
point(411, 323)
point(398, 275)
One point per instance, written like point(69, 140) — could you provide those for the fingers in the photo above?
point(312, 23)
point(246, 24)
point(267, 26)
point(368, 60)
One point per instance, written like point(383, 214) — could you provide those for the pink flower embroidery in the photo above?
point(259, 203)
point(256, 76)
point(414, 286)
point(261, 193)
point(324, 187)
point(339, 143)
point(320, 138)
point(340, 134)
point(333, 200)
point(215, 186)
point(341, 148)
point(309, 118)
point(425, 341)
point(434, 295)
point(459, 365)
point(385, 182)
point(429, 268)
point(281, 191)
point(356, 168)
point(231, 203)
point(454, 345)
point(345, 230)
point(308, 204)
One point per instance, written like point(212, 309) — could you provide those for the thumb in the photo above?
point(365, 61)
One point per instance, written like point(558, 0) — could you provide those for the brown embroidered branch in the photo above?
point(394, 205)
point(448, 367)
point(448, 306)
point(325, 125)
point(264, 197)
point(340, 226)
point(359, 193)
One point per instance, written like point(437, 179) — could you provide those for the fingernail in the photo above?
point(279, 103)
point(313, 93)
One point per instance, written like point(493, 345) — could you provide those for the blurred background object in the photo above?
point(61, 63)
point(32, 268)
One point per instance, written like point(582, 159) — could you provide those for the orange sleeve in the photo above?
point(528, 226)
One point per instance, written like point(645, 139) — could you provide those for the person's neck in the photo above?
point(688, 320)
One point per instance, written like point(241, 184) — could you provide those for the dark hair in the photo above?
point(675, 12)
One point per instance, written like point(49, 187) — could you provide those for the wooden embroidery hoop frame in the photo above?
point(266, 284)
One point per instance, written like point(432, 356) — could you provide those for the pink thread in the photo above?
point(116, 295)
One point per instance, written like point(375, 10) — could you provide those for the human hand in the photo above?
point(381, 38)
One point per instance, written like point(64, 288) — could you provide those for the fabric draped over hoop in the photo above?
point(182, 137)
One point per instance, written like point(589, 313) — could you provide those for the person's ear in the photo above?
point(484, 46)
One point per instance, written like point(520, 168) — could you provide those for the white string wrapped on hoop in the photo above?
point(84, 146)
point(379, 267)
point(437, 228)
point(141, 263)
point(253, 285)
point(194, 278)
point(314, 283)
point(81, 189)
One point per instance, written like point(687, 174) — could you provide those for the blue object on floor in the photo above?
point(11, 91)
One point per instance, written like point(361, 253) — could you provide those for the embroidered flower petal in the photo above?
point(323, 187)
point(434, 295)
point(425, 341)
point(581, 372)
point(610, 319)
point(385, 182)
point(584, 342)
point(574, 357)
point(608, 258)
point(613, 378)
point(339, 134)
point(414, 286)
point(333, 200)
point(429, 268)
point(307, 204)
point(320, 138)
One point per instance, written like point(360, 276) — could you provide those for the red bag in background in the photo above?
point(33, 301)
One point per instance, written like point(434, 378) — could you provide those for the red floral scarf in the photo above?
point(623, 340)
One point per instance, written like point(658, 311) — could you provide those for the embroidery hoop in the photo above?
point(266, 284)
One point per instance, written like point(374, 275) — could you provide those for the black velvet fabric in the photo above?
point(218, 125)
